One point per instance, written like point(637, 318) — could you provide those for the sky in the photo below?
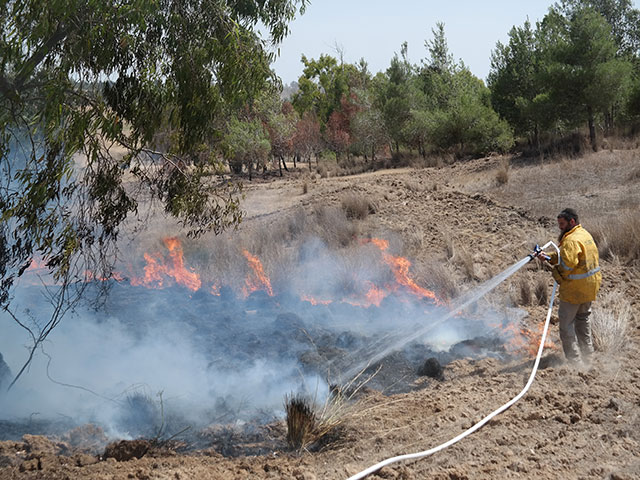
point(375, 29)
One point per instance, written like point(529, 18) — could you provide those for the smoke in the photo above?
point(170, 356)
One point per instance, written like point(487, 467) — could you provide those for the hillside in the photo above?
point(460, 225)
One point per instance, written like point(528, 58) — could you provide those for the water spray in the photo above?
point(537, 252)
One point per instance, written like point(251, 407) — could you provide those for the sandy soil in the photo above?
point(574, 423)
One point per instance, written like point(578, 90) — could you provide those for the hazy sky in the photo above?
point(375, 29)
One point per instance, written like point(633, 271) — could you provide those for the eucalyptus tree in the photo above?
point(94, 77)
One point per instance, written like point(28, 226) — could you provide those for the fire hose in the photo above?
point(411, 456)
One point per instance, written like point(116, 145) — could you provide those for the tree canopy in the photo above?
point(84, 77)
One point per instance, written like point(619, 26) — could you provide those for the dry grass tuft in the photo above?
point(435, 276)
point(357, 206)
point(618, 236)
point(610, 320)
point(542, 291)
point(464, 260)
point(502, 175)
point(305, 187)
point(309, 424)
point(526, 295)
point(301, 421)
point(333, 226)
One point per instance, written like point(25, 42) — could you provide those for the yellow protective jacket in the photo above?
point(577, 271)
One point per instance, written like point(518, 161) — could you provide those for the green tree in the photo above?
point(583, 75)
point(79, 77)
point(455, 109)
point(514, 81)
point(396, 96)
point(623, 19)
point(246, 144)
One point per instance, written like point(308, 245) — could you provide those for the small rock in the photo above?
point(614, 403)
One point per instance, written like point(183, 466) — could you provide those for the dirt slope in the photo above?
point(573, 423)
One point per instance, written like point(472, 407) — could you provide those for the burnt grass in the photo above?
point(234, 332)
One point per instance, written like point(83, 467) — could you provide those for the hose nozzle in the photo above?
point(538, 253)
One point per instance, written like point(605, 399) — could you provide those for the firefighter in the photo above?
point(577, 271)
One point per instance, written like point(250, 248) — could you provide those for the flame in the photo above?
point(156, 269)
point(215, 290)
point(400, 268)
point(525, 341)
point(375, 295)
point(256, 280)
point(314, 301)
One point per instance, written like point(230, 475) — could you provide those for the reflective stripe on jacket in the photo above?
point(577, 271)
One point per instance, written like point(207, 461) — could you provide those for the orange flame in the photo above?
point(400, 268)
point(525, 341)
point(156, 269)
point(257, 279)
point(314, 301)
point(215, 290)
point(375, 295)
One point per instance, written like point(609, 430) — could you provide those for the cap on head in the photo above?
point(569, 214)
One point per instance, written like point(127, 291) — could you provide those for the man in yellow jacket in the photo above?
point(577, 272)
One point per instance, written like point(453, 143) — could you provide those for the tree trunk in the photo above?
point(295, 157)
point(283, 164)
point(592, 129)
point(280, 165)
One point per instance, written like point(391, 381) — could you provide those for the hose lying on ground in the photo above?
point(469, 431)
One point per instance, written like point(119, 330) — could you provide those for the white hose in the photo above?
point(482, 422)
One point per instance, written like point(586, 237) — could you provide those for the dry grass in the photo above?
point(332, 226)
point(542, 291)
point(502, 175)
point(526, 295)
point(310, 424)
point(301, 421)
point(610, 320)
point(357, 206)
point(618, 236)
point(464, 260)
point(593, 184)
point(435, 276)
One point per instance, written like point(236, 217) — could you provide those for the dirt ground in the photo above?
point(574, 423)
